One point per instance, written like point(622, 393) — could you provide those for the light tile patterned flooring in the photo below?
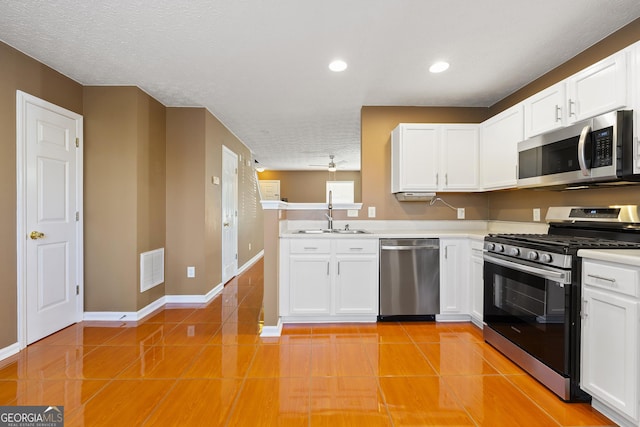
point(207, 366)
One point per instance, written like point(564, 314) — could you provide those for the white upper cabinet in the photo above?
point(499, 149)
point(459, 158)
point(432, 157)
point(598, 89)
point(414, 157)
point(544, 111)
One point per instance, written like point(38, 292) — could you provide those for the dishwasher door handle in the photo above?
point(408, 248)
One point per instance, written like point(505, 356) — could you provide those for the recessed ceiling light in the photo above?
point(439, 67)
point(338, 65)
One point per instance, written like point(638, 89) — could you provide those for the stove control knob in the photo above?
point(533, 255)
point(545, 258)
point(499, 248)
point(491, 246)
point(514, 251)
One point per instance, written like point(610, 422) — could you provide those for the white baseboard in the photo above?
point(9, 351)
point(453, 318)
point(124, 316)
point(195, 299)
point(249, 263)
point(272, 331)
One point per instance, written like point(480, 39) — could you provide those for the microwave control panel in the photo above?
point(603, 149)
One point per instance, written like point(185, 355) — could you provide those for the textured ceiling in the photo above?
point(261, 66)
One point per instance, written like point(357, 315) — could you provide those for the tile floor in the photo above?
point(207, 366)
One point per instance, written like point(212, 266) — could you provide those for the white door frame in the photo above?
point(22, 99)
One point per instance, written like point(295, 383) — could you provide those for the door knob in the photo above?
point(36, 235)
point(226, 224)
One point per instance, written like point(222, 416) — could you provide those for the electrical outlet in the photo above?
point(536, 214)
point(352, 212)
point(460, 213)
point(372, 211)
point(191, 272)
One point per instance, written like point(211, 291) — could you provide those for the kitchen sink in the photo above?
point(335, 230)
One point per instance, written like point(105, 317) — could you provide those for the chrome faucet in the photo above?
point(330, 214)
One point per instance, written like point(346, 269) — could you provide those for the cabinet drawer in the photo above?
point(611, 277)
point(310, 246)
point(356, 246)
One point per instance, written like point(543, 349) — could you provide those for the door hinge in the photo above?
point(77, 289)
point(77, 142)
point(77, 216)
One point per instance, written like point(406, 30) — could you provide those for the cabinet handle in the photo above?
point(606, 279)
point(310, 248)
point(557, 113)
point(327, 268)
point(446, 252)
point(584, 313)
point(446, 179)
point(571, 104)
point(356, 249)
point(338, 268)
point(436, 179)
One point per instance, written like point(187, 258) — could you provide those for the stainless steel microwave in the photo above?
point(597, 150)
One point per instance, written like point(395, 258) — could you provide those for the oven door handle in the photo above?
point(562, 277)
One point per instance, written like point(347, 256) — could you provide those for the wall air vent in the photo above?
point(151, 269)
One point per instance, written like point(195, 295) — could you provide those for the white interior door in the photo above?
point(229, 214)
point(49, 227)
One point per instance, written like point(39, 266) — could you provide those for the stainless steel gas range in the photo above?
point(532, 290)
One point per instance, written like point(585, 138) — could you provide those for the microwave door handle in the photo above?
point(582, 160)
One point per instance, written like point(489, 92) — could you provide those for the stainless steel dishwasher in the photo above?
point(409, 279)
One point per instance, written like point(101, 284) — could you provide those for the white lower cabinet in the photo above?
point(454, 289)
point(329, 279)
point(610, 339)
point(477, 282)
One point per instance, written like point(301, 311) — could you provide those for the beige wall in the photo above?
point(193, 205)
point(19, 72)
point(310, 186)
point(377, 124)
point(124, 194)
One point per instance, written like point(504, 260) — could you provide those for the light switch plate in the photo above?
point(372, 211)
point(191, 272)
point(536, 214)
point(216, 180)
point(460, 213)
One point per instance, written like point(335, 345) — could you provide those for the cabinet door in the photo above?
point(309, 284)
point(598, 89)
point(499, 149)
point(356, 284)
point(609, 349)
point(459, 148)
point(414, 158)
point(544, 111)
point(477, 283)
point(453, 276)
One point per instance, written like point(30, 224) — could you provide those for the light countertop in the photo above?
point(622, 256)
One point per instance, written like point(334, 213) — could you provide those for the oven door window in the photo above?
point(530, 311)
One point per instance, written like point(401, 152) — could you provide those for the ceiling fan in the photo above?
point(331, 167)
